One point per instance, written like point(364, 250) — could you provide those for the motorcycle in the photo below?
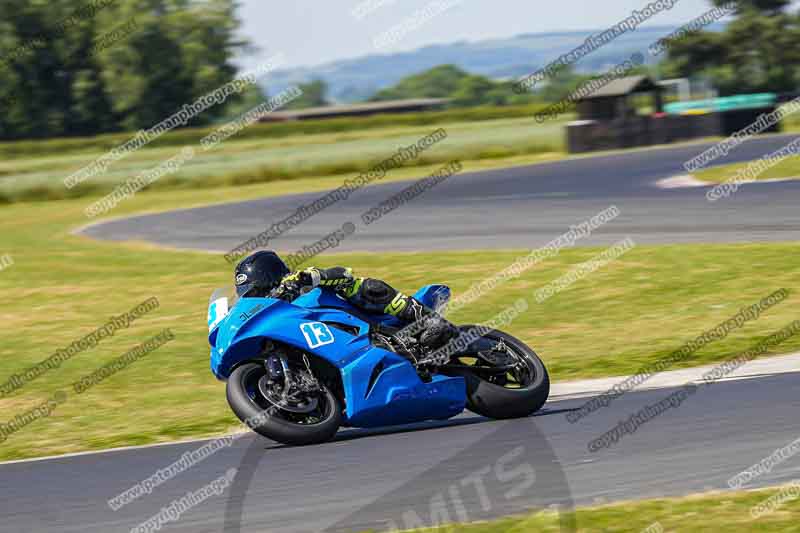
point(297, 372)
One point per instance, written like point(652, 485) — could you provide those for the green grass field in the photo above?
point(247, 158)
point(789, 168)
point(62, 286)
point(704, 513)
point(277, 130)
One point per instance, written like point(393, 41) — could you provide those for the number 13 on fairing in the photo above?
point(316, 333)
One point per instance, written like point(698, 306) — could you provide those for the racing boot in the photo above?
point(436, 331)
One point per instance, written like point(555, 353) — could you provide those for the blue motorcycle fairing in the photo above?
point(240, 336)
point(383, 388)
point(433, 296)
point(319, 299)
point(380, 387)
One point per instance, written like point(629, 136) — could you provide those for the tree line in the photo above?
point(72, 68)
point(96, 66)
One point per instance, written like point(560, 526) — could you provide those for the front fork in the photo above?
point(277, 366)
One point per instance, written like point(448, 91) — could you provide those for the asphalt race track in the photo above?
point(365, 478)
point(343, 485)
point(521, 207)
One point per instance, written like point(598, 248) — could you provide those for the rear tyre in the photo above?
point(282, 425)
point(494, 396)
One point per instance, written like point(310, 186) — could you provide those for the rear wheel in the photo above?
point(504, 377)
point(298, 410)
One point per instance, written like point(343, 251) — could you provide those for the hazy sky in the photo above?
point(311, 32)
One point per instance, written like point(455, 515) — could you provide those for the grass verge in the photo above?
point(61, 287)
point(704, 513)
point(789, 168)
point(183, 136)
point(249, 159)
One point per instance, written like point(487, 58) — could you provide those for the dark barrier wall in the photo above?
point(590, 136)
point(594, 135)
point(738, 119)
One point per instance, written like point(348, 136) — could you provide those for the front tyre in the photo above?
point(307, 420)
point(504, 377)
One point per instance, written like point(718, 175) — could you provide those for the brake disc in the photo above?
point(286, 400)
point(497, 357)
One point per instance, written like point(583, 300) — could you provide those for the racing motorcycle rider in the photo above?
point(264, 274)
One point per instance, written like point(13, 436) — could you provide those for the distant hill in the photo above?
point(357, 79)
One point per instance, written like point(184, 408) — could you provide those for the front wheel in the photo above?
point(504, 377)
point(298, 414)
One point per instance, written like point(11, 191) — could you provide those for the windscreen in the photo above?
point(219, 305)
